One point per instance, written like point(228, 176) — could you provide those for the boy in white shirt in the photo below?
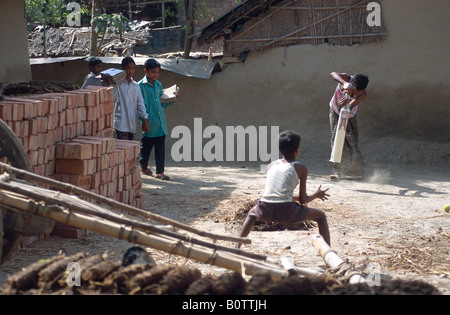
point(129, 104)
point(278, 203)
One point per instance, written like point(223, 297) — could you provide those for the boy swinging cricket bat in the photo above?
point(349, 93)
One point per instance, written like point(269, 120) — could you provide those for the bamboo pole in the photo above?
point(71, 189)
point(218, 258)
point(289, 265)
point(331, 258)
point(309, 37)
point(74, 204)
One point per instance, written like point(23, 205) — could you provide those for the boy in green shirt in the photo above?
point(152, 90)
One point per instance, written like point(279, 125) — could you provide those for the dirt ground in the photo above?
point(392, 221)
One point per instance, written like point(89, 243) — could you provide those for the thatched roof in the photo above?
point(256, 25)
point(235, 18)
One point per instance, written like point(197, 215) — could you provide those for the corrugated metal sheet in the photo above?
point(201, 69)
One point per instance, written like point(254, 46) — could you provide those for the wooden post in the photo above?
point(331, 258)
point(189, 8)
point(94, 13)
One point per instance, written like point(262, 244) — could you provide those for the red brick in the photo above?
point(53, 121)
point(88, 128)
point(42, 124)
point(45, 108)
point(109, 120)
point(81, 181)
point(120, 170)
point(74, 150)
point(16, 128)
point(81, 114)
point(70, 116)
point(41, 155)
point(49, 168)
point(34, 107)
point(88, 96)
point(39, 169)
point(62, 118)
point(96, 90)
point(33, 126)
point(58, 98)
point(24, 141)
point(33, 157)
point(49, 138)
point(17, 111)
point(95, 182)
point(24, 128)
point(97, 149)
point(119, 186)
point(106, 133)
point(67, 231)
point(107, 107)
point(108, 144)
point(49, 154)
point(5, 111)
point(91, 113)
point(59, 134)
point(101, 123)
point(77, 129)
point(106, 175)
point(75, 167)
point(28, 110)
point(135, 175)
point(111, 189)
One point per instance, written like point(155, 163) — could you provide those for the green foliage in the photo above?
point(51, 12)
point(112, 22)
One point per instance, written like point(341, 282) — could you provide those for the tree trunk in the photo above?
point(94, 35)
point(189, 6)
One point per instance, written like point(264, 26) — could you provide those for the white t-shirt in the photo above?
point(281, 181)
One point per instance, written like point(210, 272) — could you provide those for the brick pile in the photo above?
point(42, 120)
point(69, 136)
point(106, 166)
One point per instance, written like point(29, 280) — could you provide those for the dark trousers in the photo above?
point(147, 144)
point(124, 135)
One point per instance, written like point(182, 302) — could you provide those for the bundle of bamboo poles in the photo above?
point(61, 202)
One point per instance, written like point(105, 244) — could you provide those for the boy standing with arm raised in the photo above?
point(96, 77)
point(278, 203)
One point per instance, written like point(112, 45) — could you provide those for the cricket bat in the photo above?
point(338, 145)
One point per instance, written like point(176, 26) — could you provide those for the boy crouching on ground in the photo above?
point(278, 203)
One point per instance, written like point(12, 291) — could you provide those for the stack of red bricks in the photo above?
point(105, 166)
point(69, 136)
point(41, 121)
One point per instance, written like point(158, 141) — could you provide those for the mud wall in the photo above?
point(14, 64)
point(404, 119)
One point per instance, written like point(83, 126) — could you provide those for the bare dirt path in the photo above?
point(393, 220)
